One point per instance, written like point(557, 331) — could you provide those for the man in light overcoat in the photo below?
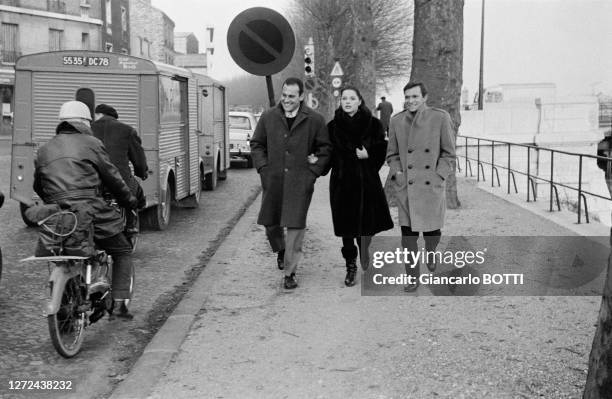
point(290, 149)
point(420, 154)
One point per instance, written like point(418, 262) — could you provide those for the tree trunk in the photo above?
point(437, 59)
point(363, 52)
point(599, 379)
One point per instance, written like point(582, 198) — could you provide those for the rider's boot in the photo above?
point(131, 222)
point(121, 310)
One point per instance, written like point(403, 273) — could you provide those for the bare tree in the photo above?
point(370, 38)
point(599, 378)
point(437, 61)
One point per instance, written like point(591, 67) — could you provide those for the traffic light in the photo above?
point(309, 66)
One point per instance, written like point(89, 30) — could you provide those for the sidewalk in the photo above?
point(238, 334)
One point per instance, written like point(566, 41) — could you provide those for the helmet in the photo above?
point(74, 109)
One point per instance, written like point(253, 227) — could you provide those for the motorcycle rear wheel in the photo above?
point(67, 326)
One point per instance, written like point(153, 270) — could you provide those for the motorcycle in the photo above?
point(79, 285)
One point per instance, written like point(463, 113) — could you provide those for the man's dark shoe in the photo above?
point(411, 287)
point(280, 259)
point(431, 266)
point(290, 282)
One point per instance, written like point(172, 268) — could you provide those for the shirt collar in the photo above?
point(292, 114)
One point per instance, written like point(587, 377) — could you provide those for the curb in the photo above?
point(167, 341)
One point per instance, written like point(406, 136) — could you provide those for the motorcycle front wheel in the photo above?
point(67, 326)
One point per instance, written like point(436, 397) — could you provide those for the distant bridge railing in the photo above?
point(483, 152)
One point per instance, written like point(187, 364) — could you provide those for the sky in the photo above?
point(566, 42)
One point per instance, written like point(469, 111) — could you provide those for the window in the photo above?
point(8, 43)
point(85, 41)
point(108, 11)
point(239, 122)
point(123, 19)
point(55, 39)
point(87, 97)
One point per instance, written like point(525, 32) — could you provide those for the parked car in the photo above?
point(241, 129)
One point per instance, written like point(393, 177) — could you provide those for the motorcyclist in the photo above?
point(123, 146)
point(74, 168)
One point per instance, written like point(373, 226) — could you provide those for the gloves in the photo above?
point(133, 202)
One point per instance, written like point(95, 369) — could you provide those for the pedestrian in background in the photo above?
point(358, 203)
point(124, 147)
point(385, 110)
point(420, 155)
point(290, 149)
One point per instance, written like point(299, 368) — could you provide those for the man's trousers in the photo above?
point(291, 242)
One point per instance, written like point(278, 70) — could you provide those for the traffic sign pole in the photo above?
point(270, 90)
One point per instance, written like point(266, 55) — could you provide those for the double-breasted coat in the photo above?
point(280, 155)
point(423, 149)
point(358, 202)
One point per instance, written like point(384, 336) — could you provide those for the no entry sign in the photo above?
point(261, 41)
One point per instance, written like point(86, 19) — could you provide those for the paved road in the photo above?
point(166, 263)
point(253, 339)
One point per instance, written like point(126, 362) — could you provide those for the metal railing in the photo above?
point(9, 57)
point(532, 177)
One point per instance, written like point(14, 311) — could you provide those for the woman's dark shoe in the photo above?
point(280, 259)
point(351, 272)
point(290, 282)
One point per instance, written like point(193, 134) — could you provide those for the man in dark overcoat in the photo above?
point(385, 110)
point(421, 155)
point(124, 147)
point(290, 149)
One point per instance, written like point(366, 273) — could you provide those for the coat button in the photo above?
point(410, 181)
point(410, 151)
point(427, 182)
point(409, 166)
point(285, 136)
point(426, 149)
point(426, 166)
point(286, 170)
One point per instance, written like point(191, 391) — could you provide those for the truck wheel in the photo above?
point(221, 174)
point(158, 216)
point(22, 209)
point(210, 180)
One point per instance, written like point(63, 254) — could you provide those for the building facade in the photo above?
point(115, 26)
point(151, 32)
point(34, 26)
point(186, 43)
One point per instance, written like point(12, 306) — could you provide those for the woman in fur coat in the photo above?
point(358, 203)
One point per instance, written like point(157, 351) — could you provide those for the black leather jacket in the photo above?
point(74, 166)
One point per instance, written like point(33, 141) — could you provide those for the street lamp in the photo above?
point(480, 80)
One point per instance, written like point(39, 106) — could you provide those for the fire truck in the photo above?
point(180, 116)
